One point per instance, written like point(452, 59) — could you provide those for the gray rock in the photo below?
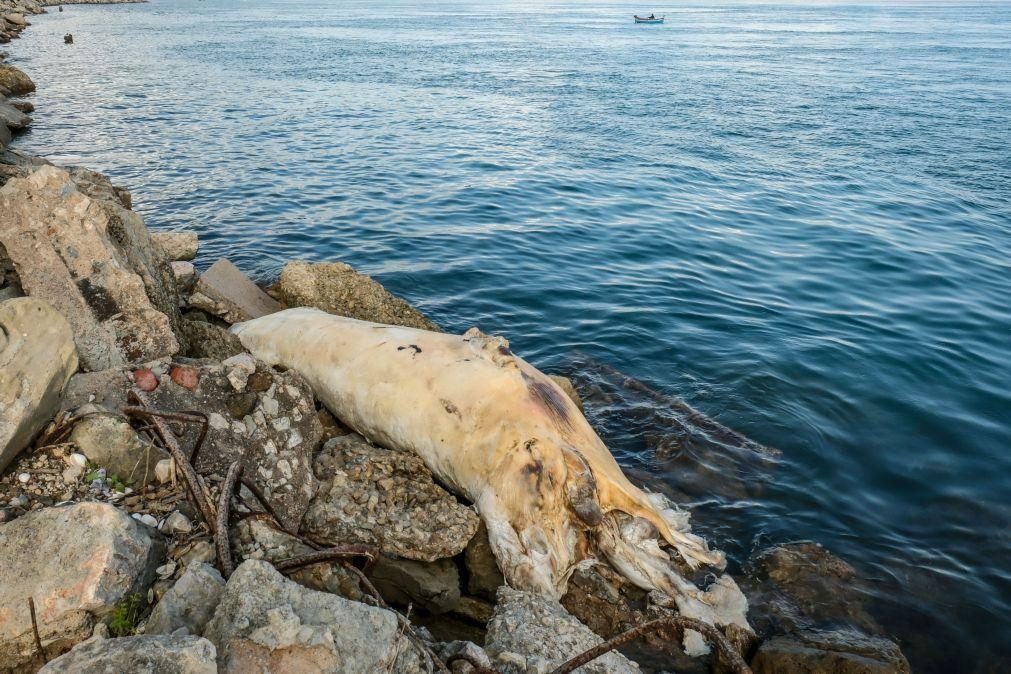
point(338, 289)
point(111, 443)
point(268, 623)
point(37, 358)
point(434, 586)
point(226, 292)
point(15, 18)
point(473, 651)
point(12, 117)
point(91, 259)
point(190, 603)
point(843, 651)
point(185, 275)
point(483, 575)
point(275, 442)
point(177, 245)
point(77, 562)
point(372, 495)
point(146, 654)
point(256, 539)
point(207, 340)
point(532, 633)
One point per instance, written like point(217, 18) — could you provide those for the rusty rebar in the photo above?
point(339, 553)
point(262, 499)
point(221, 541)
point(35, 629)
point(191, 480)
point(733, 659)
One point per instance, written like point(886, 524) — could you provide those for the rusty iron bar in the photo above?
point(733, 659)
point(339, 553)
point(255, 490)
point(186, 416)
point(35, 629)
point(191, 480)
point(221, 541)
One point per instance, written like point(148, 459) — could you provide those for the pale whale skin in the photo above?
point(500, 433)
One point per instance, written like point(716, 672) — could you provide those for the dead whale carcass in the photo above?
point(503, 435)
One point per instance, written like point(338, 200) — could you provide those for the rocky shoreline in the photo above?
point(130, 416)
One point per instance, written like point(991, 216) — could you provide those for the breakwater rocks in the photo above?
point(169, 503)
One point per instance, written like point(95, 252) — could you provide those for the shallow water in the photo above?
point(795, 218)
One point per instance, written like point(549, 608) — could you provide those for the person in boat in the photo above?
point(651, 16)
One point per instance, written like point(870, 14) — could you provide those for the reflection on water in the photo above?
point(793, 218)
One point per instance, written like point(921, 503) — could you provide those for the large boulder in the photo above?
point(190, 603)
point(337, 288)
point(13, 82)
point(77, 563)
point(530, 632)
point(11, 117)
point(388, 498)
point(74, 244)
point(841, 651)
point(37, 358)
point(146, 654)
point(257, 415)
point(268, 623)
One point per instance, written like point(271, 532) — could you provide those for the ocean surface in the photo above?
point(794, 218)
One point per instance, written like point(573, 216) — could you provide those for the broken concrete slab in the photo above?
point(37, 359)
point(224, 291)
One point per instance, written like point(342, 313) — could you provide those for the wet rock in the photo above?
point(185, 275)
point(372, 495)
point(566, 385)
point(24, 106)
point(265, 622)
point(177, 246)
point(37, 358)
point(107, 440)
point(11, 117)
point(13, 82)
point(483, 575)
point(226, 292)
point(74, 245)
point(207, 340)
point(830, 652)
point(256, 539)
point(529, 632)
point(275, 443)
point(77, 562)
point(801, 586)
point(154, 654)
point(190, 603)
point(434, 586)
point(338, 289)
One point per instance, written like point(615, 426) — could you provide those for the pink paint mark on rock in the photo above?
point(187, 377)
point(145, 379)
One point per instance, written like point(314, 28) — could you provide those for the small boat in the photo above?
point(648, 19)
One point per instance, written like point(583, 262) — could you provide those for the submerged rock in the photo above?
point(37, 358)
point(74, 244)
point(268, 623)
point(224, 291)
point(77, 562)
point(842, 651)
point(372, 495)
point(153, 654)
point(529, 632)
point(338, 289)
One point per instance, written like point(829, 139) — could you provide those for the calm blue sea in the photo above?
point(796, 218)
